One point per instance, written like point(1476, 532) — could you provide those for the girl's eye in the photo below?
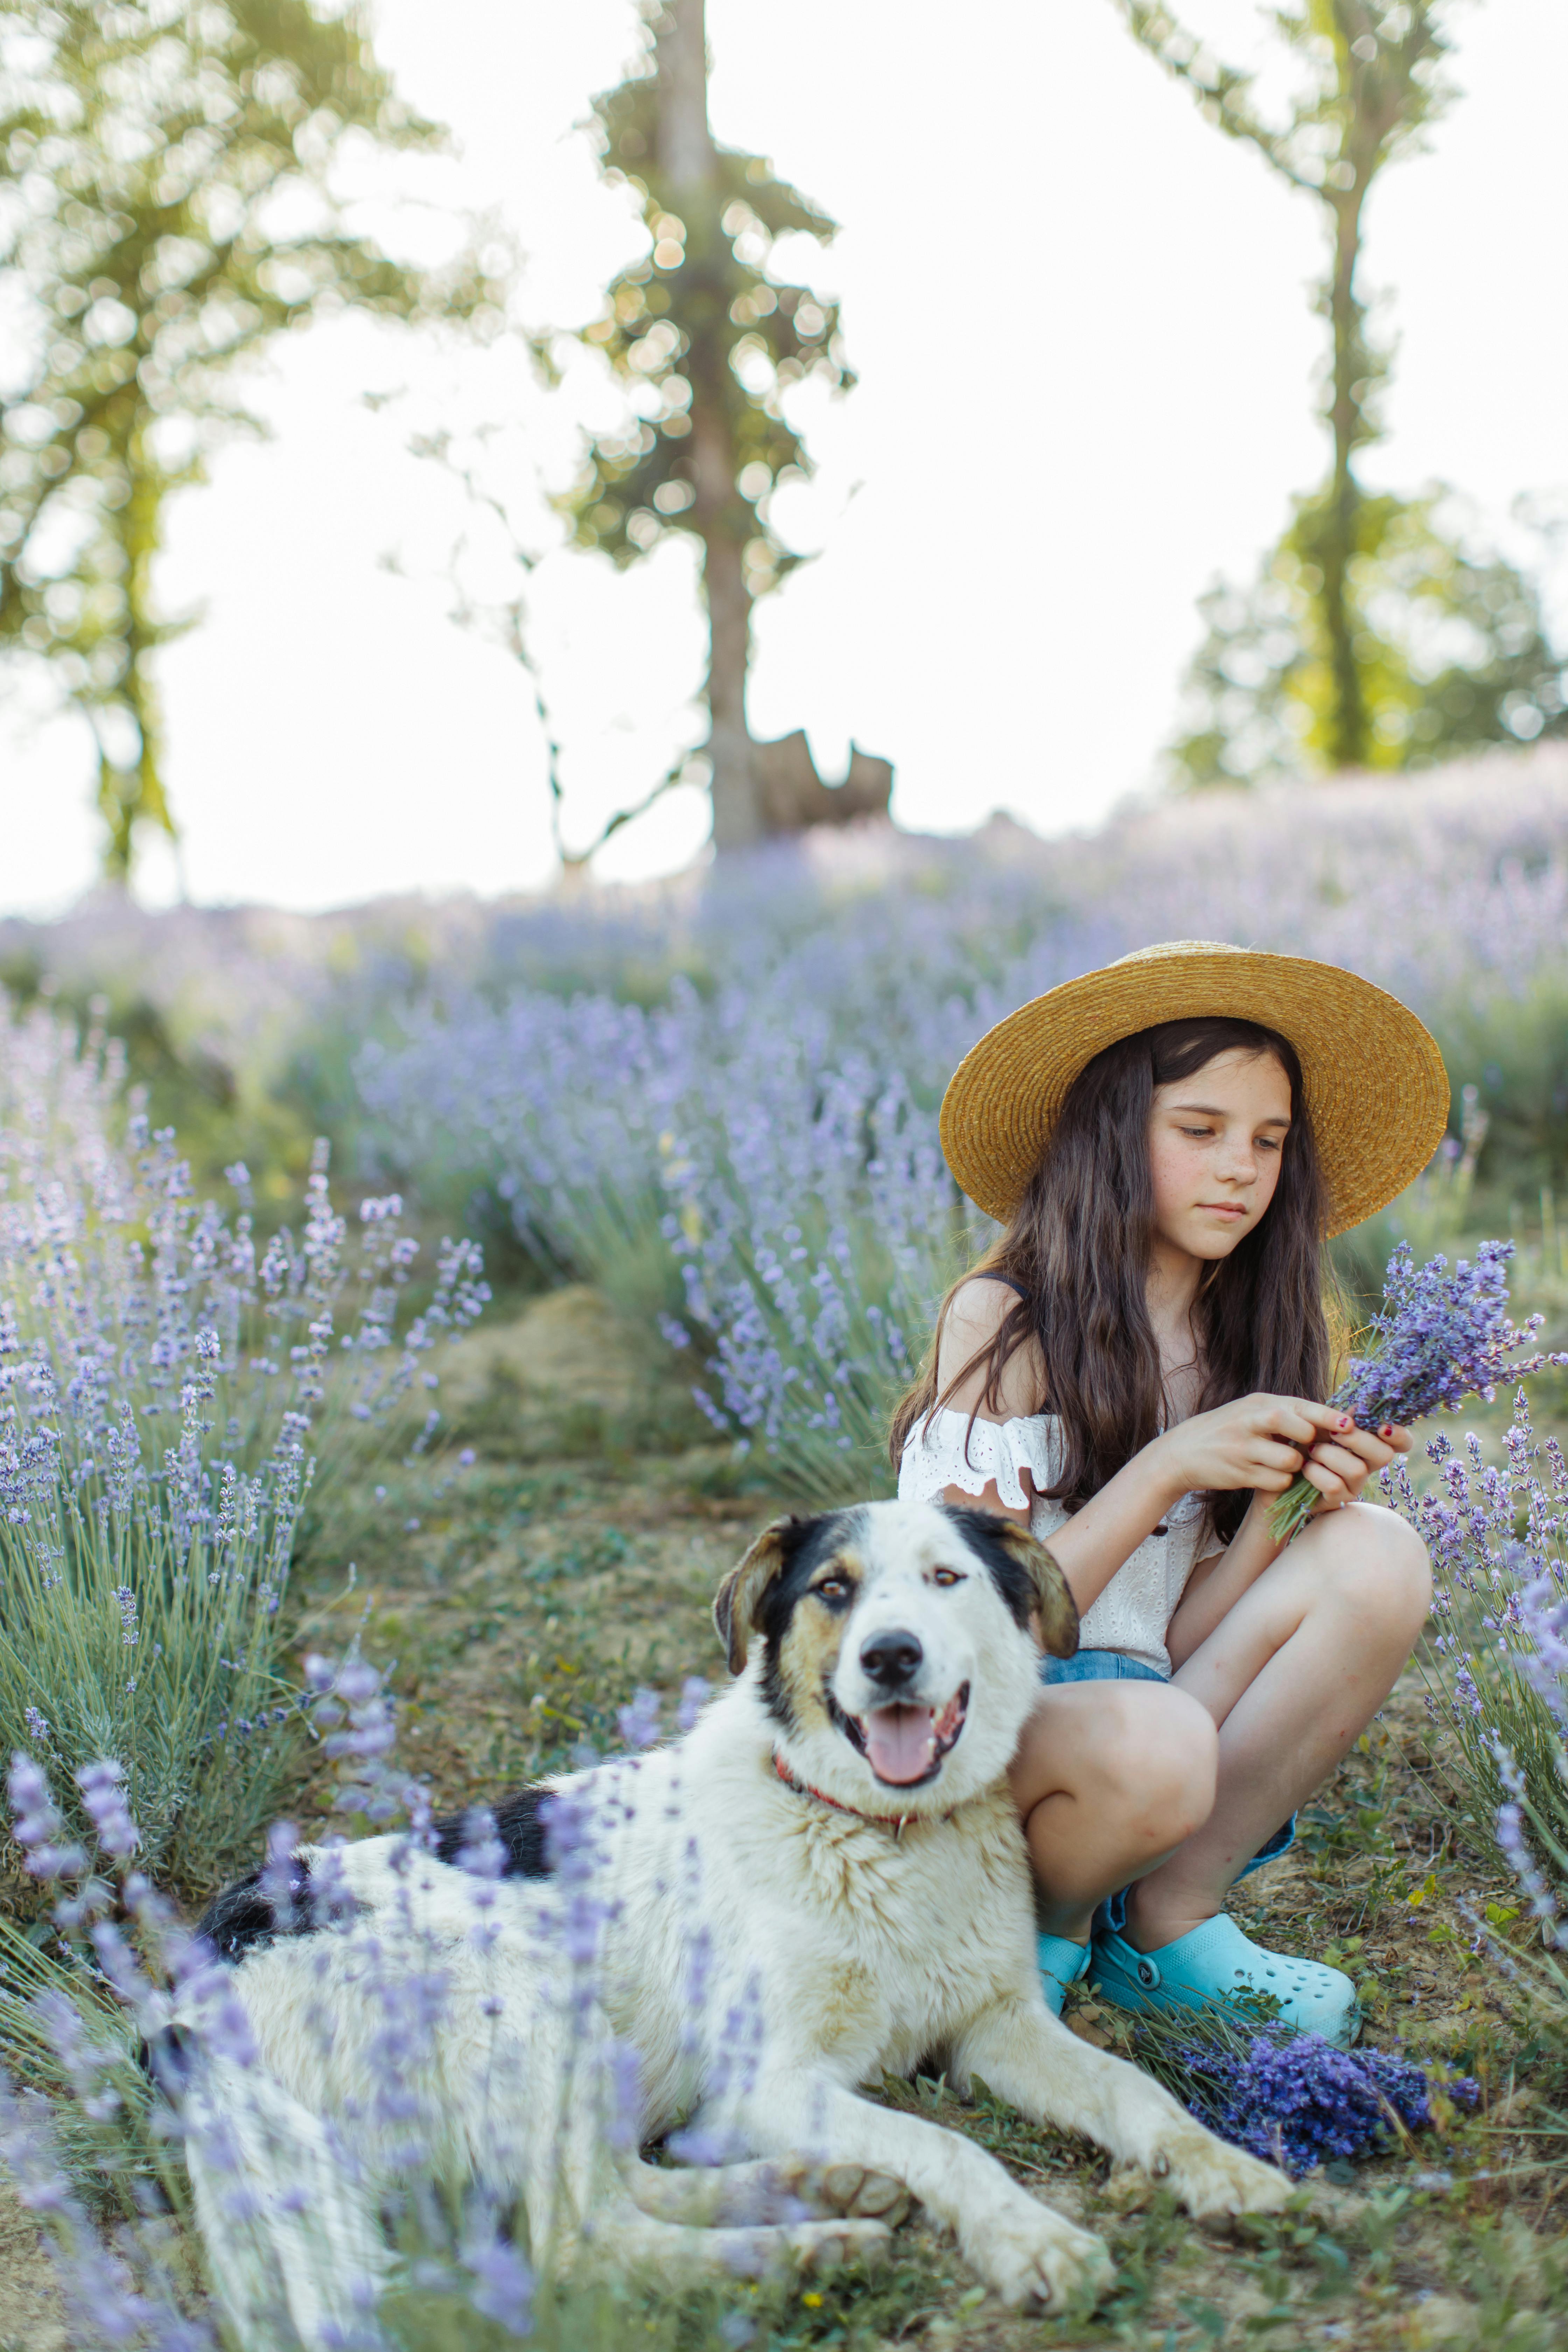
point(1268, 1142)
point(945, 1576)
point(833, 1588)
point(1197, 1130)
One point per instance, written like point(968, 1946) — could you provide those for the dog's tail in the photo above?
point(287, 2216)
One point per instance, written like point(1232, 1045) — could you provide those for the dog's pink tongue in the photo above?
point(899, 1742)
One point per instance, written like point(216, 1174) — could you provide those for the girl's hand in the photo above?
point(1265, 1443)
point(1339, 1466)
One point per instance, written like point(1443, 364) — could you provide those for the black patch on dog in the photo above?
point(983, 1531)
point(243, 1920)
point(518, 1828)
point(807, 1544)
point(168, 2059)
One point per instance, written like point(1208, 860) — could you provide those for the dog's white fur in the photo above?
point(833, 1948)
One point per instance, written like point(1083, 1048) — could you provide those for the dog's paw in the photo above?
point(850, 2190)
point(1028, 2254)
point(813, 2248)
point(1214, 2180)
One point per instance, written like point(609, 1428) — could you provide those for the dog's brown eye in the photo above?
point(946, 1576)
point(833, 1588)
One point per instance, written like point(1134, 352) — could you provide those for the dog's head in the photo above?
point(898, 1647)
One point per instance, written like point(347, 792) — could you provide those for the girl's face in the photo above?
point(1215, 1145)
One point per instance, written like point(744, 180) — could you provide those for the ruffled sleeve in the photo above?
point(948, 1451)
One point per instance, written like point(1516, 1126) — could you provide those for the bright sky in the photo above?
point(1085, 346)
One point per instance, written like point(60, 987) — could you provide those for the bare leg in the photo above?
point(1109, 1778)
point(1290, 1675)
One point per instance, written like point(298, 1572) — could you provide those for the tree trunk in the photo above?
point(690, 174)
point(1348, 744)
point(684, 143)
point(737, 810)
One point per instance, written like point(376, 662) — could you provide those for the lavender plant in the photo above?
point(166, 1383)
point(1440, 1338)
point(1498, 1665)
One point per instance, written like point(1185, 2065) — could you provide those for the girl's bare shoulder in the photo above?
point(976, 1312)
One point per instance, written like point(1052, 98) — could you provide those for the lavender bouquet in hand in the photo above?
point(1440, 1338)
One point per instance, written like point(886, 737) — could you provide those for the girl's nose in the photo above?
point(1237, 1162)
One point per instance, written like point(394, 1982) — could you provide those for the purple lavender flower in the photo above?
point(638, 1723)
point(1441, 1337)
point(1300, 2102)
point(503, 2287)
point(38, 1826)
point(481, 1854)
point(103, 1787)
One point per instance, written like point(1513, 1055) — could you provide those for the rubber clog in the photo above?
point(1062, 1962)
point(1215, 1963)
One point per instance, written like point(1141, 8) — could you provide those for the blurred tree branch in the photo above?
point(506, 622)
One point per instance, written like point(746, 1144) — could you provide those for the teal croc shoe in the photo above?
point(1062, 1962)
point(1215, 1963)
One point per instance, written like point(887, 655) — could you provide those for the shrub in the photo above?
point(1498, 1665)
point(165, 1384)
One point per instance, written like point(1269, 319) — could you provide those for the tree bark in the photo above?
point(1349, 744)
point(689, 173)
point(735, 787)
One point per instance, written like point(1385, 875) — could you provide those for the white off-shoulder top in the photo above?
point(1138, 1604)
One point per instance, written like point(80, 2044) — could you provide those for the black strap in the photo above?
point(986, 1274)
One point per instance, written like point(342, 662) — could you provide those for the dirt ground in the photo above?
point(30, 2317)
point(517, 1603)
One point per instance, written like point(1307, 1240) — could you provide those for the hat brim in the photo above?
point(1377, 1093)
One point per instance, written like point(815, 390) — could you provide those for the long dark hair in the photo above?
point(1077, 1249)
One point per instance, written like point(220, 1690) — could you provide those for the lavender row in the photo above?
point(734, 1130)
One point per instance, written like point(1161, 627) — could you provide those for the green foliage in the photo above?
point(703, 334)
point(1376, 635)
point(149, 156)
point(1448, 637)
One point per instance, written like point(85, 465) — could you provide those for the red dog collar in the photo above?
point(894, 1821)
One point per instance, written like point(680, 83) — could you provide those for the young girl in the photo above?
point(1134, 1371)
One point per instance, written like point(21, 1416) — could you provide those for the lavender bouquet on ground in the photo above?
point(1440, 1338)
point(1300, 2103)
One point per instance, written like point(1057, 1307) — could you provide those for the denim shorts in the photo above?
point(1112, 1666)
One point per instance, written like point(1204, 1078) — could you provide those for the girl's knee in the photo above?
point(1158, 1757)
point(1134, 1753)
point(1381, 1567)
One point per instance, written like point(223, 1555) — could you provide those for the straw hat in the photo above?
point(1376, 1087)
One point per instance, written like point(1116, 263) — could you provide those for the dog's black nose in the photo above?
point(891, 1658)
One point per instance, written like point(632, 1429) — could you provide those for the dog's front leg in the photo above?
point(1018, 2246)
point(1029, 2058)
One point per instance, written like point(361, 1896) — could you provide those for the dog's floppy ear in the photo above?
point(1058, 1608)
point(740, 1597)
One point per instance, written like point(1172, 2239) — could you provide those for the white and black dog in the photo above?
point(823, 1883)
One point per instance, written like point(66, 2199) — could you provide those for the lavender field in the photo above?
point(298, 1520)
point(716, 1099)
